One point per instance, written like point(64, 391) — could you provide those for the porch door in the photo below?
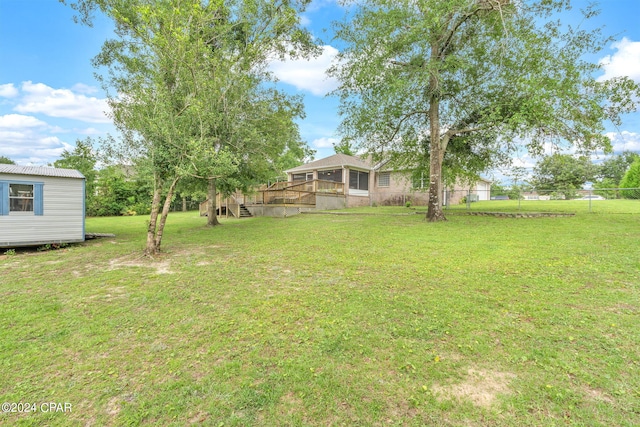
point(309, 186)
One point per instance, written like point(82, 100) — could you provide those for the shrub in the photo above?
point(631, 179)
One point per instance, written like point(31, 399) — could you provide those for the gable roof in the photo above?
point(337, 160)
point(40, 171)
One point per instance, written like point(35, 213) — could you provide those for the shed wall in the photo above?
point(62, 219)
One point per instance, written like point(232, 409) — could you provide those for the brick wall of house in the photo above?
point(398, 192)
point(357, 201)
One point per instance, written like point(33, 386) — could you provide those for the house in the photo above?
point(340, 181)
point(41, 205)
point(365, 183)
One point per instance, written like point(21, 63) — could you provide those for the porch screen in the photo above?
point(358, 180)
point(334, 175)
point(299, 177)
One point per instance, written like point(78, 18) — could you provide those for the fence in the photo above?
point(600, 200)
point(605, 200)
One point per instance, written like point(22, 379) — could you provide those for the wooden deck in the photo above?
point(297, 193)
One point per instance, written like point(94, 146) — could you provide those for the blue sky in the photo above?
point(49, 97)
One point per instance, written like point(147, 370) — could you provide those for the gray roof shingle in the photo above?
point(337, 160)
point(40, 171)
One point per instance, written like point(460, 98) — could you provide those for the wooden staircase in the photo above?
point(244, 212)
point(224, 207)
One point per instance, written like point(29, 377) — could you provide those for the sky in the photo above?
point(50, 98)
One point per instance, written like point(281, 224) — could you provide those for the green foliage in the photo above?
point(195, 102)
point(82, 158)
point(606, 188)
point(10, 252)
point(344, 147)
point(563, 173)
point(612, 170)
point(6, 161)
point(120, 194)
point(631, 179)
point(514, 192)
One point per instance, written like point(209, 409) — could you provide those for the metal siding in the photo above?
point(62, 219)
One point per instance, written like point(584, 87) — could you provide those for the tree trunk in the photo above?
point(151, 249)
point(212, 219)
point(165, 214)
point(436, 150)
point(184, 204)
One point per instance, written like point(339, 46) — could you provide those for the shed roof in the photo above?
point(337, 160)
point(40, 171)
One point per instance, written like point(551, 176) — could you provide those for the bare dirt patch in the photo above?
point(113, 407)
point(290, 404)
point(597, 395)
point(481, 387)
point(162, 267)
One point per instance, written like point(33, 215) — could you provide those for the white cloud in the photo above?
point(83, 88)
point(305, 21)
point(89, 131)
point(63, 103)
point(8, 91)
point(625, 62)
point(27, 148)
point(624, 141)
point(324, 142)
point(308, 74)
point(18, 121)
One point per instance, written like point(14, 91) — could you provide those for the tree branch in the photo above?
point(402, 120)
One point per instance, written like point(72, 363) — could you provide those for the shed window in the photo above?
point(21, 197)
point(358, 180)
point(384, 179)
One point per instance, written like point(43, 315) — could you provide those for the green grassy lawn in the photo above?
point(330, 320)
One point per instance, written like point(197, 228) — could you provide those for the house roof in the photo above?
point(40, 171)
point(337, 160)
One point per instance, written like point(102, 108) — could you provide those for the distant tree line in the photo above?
point(564, 174)
point(114, 188)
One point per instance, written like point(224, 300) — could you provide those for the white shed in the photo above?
point(40, 205)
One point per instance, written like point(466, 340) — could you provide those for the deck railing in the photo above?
point(298, 192)
point(279, 193)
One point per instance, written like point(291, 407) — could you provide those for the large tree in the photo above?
point(6, 161)
point(185, 87)
point(612, 169)
point(563, 173)
point(452, 87)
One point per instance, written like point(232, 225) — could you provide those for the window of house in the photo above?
point(420, 182)
point(384, 179)
point(299, 177)
point(20, 197)
point(334, 175)
point(358, 180)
